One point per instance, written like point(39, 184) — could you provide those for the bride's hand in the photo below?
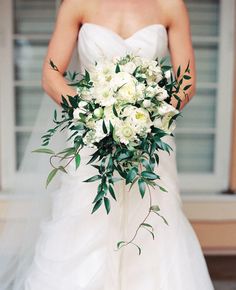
point(60, 49)
point(180, 45)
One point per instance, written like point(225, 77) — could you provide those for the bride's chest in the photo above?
point(95, 42)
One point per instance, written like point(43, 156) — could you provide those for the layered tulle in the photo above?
point(77, 249)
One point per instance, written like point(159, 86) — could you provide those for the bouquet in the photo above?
point(122, 109)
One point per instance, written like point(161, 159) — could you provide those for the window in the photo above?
point(203, 135)
point(25, 36)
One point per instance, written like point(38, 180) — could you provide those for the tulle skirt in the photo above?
point(76, 250)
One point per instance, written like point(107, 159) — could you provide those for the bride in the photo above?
point(75, 250)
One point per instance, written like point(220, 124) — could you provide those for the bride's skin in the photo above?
point(124, 17)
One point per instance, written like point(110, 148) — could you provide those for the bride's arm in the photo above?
point(180, 45)
point(60, 50)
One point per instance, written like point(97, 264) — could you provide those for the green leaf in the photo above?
point(155, 208)
point(119, 244)
point(161, 216)
point(187, 68)
point(77, 160)
point(187, 77)
point(104, 127)
point(55, 115)
point(163, 189)
point(131, 175)
point(97, 205)
point(187, 87)
point(147, 225)
point(139, 249)
point(149, 175)
point(178, 72)
point(53, 66)
point(117, 68)
point(107, 204)
point(146, 164)
point(142, 187)
point(62, 168)
point(124, 154)
point(43, 150)
point(73, 101)
point(99, 196)
point(93, 178)
point(51, 176)
point(114, 111)
point(112, 192)
point(87, 76)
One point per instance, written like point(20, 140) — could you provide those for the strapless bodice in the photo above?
point(96, 42)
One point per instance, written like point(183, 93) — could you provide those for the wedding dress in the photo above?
point(76, 249)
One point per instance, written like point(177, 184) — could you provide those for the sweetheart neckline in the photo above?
point(117, 34)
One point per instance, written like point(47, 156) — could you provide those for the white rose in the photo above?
point(121, 78)
point(127, 93)
point(104, 96)
point(161, 93)
point(139, 118)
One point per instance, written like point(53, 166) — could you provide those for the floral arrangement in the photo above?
point(122, 109)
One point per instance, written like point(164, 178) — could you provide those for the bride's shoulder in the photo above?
point(173, 9)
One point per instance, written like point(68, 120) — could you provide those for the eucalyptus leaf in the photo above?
point(97, 205)
point(93, 178)
point(77, 160)
point(44, 150)
point(107, 204)
point(142, 187)
point(51, 175)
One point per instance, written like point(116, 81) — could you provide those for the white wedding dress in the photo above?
point(76, 250)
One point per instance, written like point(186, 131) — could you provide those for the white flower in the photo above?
point(125, 132)
point(104, 96)
point(166, 108)
point(121, 78)
point(77, 112)
point(128, 67)
point(163, 124)
point(139, 118)
point(161, 93)
point(147, 103)
point(140, 91)
point(103, 71)
point(126, 86)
